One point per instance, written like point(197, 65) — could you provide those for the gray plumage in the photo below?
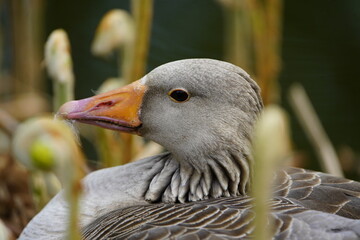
point(198, 189)
point(307, 205)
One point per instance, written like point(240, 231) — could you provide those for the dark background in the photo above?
point(320, 49)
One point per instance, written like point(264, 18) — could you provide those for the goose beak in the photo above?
point(116, 110)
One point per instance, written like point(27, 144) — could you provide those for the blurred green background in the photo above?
point(319, 47)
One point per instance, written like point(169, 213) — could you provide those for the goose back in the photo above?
point(306, 205)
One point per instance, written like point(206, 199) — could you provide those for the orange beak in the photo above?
point(117, 110)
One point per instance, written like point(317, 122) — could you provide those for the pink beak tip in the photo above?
point(71, 107)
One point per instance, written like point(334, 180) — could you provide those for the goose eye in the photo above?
point(179, 95)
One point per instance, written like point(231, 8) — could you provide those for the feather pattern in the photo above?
point(298, 193)
point(178, 183)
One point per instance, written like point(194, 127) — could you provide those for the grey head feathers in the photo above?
point(208, 136)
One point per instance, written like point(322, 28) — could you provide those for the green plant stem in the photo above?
point(108, 145)
point(73, 198)
point(238, 37)
point(142, 11)
point(266, 25)
point(135, 56)
point(38, 189)
point(126, 59)
point(261, 194)
point(261, 187)
point(63, 92)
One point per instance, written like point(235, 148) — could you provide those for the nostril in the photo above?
point(105, 104)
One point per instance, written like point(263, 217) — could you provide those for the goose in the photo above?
point(203, 112)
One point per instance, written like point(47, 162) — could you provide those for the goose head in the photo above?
point(201, 110)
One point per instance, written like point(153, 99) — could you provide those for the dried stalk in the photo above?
point(314, 130)
point(27, 18)
point(253, 41)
